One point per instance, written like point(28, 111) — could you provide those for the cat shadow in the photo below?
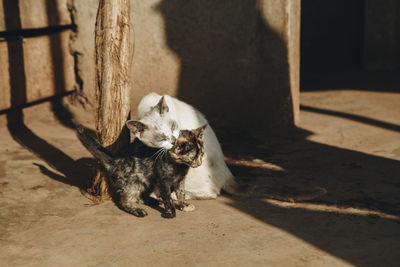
point(231, 65)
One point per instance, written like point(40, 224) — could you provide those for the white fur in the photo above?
point(206, 180)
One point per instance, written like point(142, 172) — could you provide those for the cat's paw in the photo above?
point(186, 207)
point(139, 212)
point(168, 214)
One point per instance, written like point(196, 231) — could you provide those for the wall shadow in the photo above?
point(358, 118)
point(358, 240)
point(75, 172)
point(231, 69)
point(352, 179)
point(233, 65)
point(62, 114)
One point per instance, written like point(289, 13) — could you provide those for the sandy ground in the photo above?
point(348, 143)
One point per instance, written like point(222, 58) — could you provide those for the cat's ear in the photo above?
point(200, 131)
point(162, 106)
point(136, 127)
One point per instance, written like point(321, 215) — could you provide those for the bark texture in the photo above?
point(112, 54)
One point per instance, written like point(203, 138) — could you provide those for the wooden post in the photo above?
point(113, 59)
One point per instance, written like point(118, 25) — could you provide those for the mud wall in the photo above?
point(35, 59)
point(237, 60)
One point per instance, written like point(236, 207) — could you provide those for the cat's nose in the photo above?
point(173, 140)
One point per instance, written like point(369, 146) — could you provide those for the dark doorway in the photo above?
point(342, 39)
point(331, 40)
point(331, 35)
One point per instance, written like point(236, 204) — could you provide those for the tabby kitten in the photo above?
point(141, 170)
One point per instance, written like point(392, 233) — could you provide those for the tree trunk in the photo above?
point(113, 54)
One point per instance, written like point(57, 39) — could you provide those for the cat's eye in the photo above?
point(181, 148)
point(162, 137)
point(174, 126)
point(184, 148)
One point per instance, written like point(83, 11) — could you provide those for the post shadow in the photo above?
point(74, 172)
point(62, 114)
point(231, 65)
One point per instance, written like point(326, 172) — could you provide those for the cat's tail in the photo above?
point(94, 147)
point(282, 193)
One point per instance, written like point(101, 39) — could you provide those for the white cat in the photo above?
point(162, 122)
point(158, 121)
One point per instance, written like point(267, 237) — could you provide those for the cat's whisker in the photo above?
point(163, 153)
point(157, 152)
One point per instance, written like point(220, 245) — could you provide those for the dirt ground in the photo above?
point(348, 143)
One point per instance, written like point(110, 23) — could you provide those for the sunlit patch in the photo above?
point(255, 163)
point(331, 208)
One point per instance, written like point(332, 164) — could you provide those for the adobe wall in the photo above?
point(35, 58)
point(237, 60)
